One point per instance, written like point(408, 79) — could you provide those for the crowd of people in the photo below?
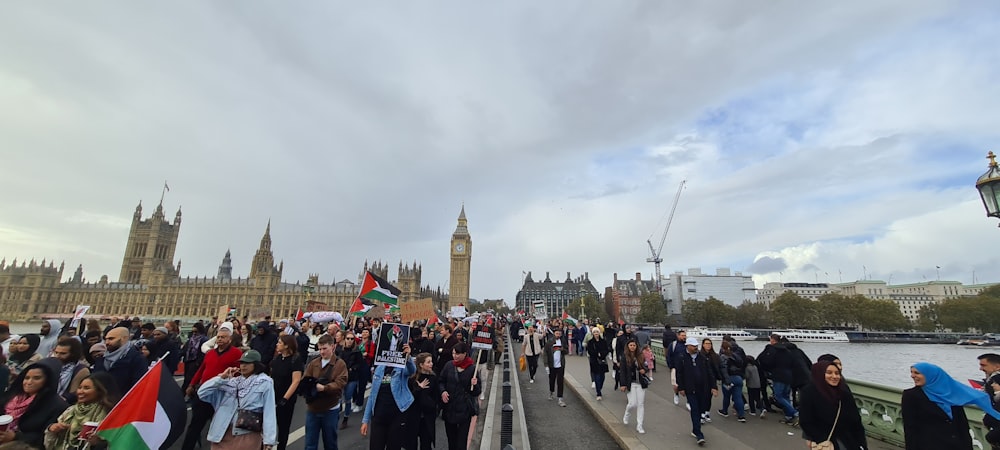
point(242, 381)
point(810, 395)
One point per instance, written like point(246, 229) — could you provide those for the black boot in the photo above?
point(343, 425)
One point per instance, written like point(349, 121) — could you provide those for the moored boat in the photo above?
point(717, 334)
point(800, 335)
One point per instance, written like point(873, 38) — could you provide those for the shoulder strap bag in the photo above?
point(828, 444)
point(247, 419)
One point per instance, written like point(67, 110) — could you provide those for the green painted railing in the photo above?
point(880, 410)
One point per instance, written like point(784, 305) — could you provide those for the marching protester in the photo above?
point(357, 373)
point(191, 353)
point(933, 413)
point(49, 334)
point(459, 387)
point(326, 378)
point(387, 413)
point(243, 400)
point(23, 353)
point(69, 364)
point(555, 365)
point(827, 411)
point(33, 403)
point(634, 381)
point(217, 360)
point(95, 397)
point(286, 371)
point(424, 385)
point(122, 361)
point(532, 348)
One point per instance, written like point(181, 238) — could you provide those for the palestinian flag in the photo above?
point(376, 289)
point(299, 315)
point(360, 307)
point(433, 322)
point(568, 318)
point(150, 416)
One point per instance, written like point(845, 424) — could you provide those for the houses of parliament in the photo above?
point(150, 285)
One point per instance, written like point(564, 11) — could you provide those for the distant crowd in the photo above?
point(243, 381)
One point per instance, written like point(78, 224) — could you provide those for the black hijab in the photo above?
point(33, 342)
point(831, 393)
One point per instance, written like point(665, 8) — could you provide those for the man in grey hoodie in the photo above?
point(50, 335)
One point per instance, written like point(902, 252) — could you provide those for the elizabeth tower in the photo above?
point(461, 259)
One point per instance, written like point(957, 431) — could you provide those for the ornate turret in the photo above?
point(263, 269)
point(226, 268)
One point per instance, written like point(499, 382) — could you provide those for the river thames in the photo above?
point(885, 364)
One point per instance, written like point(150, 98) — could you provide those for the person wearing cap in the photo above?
point(96, 351)
point(161, 346)
point(217, 360)
point(696, 382)
point(247, 388)
point(555, 364)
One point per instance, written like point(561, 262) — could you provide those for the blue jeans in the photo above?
point(345, 401)
point(696, 406)
point(783, 394)
point(325, 422)
point(736, 392)
point(598, 382)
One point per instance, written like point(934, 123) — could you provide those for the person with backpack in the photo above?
point(732, 387)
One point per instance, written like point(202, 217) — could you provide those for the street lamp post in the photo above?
point(988, 185)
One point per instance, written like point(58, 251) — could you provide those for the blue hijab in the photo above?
point(946, 391)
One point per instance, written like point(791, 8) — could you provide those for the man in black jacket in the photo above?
point(989, 363)
point(696, 382)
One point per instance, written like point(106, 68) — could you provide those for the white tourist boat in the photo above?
point(799, 335)
point(716, 334)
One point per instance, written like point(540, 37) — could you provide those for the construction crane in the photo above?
point(655, 252)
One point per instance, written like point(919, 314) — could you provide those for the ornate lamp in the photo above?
point(988, 185)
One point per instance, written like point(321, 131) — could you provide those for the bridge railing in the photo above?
point(881, 411)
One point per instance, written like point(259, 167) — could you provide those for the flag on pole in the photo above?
point(433, 322)
point(568, 318)
point(360, 307)
point(376, 289)
point(150, 416)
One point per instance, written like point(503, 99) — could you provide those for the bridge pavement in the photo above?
point(669, 427)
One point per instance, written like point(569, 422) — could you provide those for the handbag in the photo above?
point(522, 363)
point(828, 444)
point(248, 419)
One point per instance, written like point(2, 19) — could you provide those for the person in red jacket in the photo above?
point(216, 361)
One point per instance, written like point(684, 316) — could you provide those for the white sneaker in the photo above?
point(677, 399)
point(561, 402)
point(593, 385)
point(639, 429)
point(625, 418)
point(599, 398)
point(356, 408)
point(531, 380)
point(688, 405)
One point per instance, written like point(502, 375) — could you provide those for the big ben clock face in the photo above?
point(459, 248)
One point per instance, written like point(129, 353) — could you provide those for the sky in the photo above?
point(820, 142)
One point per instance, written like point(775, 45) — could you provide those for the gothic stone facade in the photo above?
point(150, 286)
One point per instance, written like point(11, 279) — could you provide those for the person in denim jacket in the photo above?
point(246, 388)
point(389, 417)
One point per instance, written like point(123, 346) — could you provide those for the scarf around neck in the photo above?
point(110, 358)
point(16, 407)
point(463, 364)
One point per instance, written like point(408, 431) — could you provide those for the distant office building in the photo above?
point(622, 298)
point(911, 297)
point(555, 295)
point(731, 288)
point(812, 291)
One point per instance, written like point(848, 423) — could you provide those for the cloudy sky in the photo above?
point(820, 141)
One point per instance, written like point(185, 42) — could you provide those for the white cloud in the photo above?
point(823, 134)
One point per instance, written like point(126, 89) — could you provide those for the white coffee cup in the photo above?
point(5, 421)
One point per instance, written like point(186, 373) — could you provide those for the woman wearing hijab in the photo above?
point(34, 404)
point(95, 397)
point(827, 410)
point(23, 353)
point(386, 413)
point(933, 417)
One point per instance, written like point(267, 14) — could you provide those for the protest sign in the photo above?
point(458, 312)
point(389, 346)
point(482, 337)
point(417, 310)
point(78, 315)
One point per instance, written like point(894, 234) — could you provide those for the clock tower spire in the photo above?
point(461, 259)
